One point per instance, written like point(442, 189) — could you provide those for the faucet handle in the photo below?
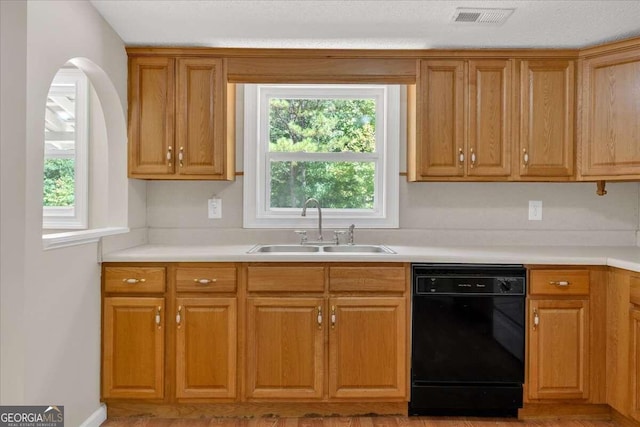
point(303, 236)
point(351, 227)
point(337, 234)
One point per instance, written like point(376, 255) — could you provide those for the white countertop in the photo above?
point(627, 257)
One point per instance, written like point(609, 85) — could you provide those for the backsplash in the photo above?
point(453, 213)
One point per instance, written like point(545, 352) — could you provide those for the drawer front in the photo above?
point(559, 282)
point(372, 279)
point(206, 279)
point(134, 279)
point(285, 279)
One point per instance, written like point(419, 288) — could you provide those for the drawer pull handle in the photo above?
point(179, 316)
point(460, 157)
point(536, 319)
point(561, 283)
point(205, 281)
point(319, 317)
point(132, 281)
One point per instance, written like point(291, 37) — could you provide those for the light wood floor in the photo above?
point(350, 422)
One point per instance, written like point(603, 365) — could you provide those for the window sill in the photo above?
point(74, 238)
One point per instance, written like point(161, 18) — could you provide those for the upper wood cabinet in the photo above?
point(610, 141)
point(463, 116)
point(547, 104)
point(180, 119)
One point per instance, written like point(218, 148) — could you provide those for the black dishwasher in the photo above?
point(468, 339)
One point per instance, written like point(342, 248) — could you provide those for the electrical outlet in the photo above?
point(215, 208)
point(535, 210)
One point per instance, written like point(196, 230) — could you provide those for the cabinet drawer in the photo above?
point(206, 279)
point(285, 279)
point(559, 282)
point(134, 279)
point(374, 279)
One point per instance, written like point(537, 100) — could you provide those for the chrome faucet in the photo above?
point(304, 213)
point(351, 227)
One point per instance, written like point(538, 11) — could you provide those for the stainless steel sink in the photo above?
point(374, 249)
point(274, 249)
point(283, 249)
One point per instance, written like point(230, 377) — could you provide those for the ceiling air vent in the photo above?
point(481, 16)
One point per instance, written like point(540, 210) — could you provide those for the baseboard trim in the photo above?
point(97, 418)
point(253, 409)
point(564, 410)
point(621, 420)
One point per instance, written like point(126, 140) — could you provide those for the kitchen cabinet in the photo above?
point(133, 332)
point(547, 105)
point(206, 347)
point(634, 366)
point(285, 347)
point(199, 340)
point(450, 144)
point(366, 355)
point(355, 314)
point(558, 334)
point(133, 347)
point(180, 119)
point(610, 110)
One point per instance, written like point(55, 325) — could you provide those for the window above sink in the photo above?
point(336, 143)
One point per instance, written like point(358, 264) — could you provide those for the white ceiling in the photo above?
point(371, 24)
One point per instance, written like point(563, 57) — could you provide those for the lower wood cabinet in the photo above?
point(367, 355)
point(285, 348)
point(634, 366)
point(558, 349)
point(206, 342)
point(133, 348)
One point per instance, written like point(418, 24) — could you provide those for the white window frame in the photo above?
point(76, 217)
point(257, 213)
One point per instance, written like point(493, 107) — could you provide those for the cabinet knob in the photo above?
point(473, 158)
point(525, 158)
point(181, 156)
point(536, 319)
point(460, 157)
point(169, 155)
point(319, 316)
point(158, 319)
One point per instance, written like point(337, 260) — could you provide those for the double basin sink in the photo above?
point(308, 249)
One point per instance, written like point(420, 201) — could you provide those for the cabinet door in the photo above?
point(440, 140)
point(546, 120)
point(558, 349)
point(206, 348)
point(151, 115)
point(490, 100)
point(367, 348)
point(611, 107)
point(285, 347)
point(634, 371)
point(200, 138)
point(133, 348)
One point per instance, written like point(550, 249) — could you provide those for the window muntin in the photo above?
point(65, 151)
point(337, 143)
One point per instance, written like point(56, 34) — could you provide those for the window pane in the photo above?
point(59, 182)
point(338, 185)
point(322, 125)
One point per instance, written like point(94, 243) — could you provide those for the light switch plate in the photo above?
point(535, 210)
point(215, 208)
